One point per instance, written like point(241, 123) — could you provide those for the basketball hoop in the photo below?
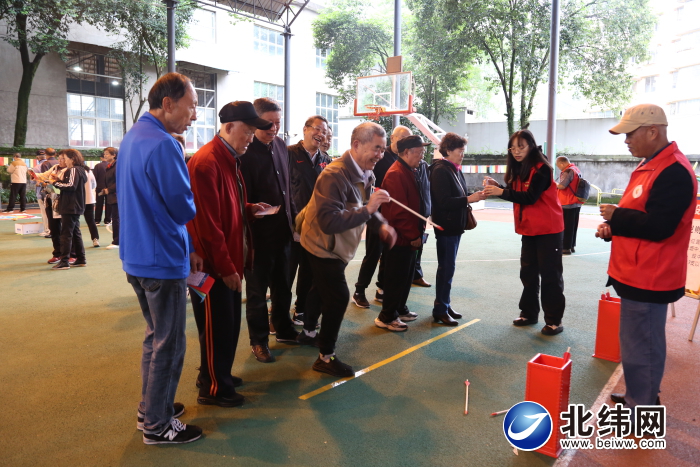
point(378, 110)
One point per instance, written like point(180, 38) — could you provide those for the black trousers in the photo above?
point(270, 270)
point(299, 266)
point(373, 253)
point(218, 320)
point(99, 201)
point(21, 190)
point(115, 223)
point(570, 227)
point(418, 270)
point(71, 238)
point(540, 257)
point(400, 265)
point(330, 293)
point(89, 216)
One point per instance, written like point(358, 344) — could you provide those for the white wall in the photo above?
point(575, 136)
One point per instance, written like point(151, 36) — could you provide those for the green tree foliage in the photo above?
point(143, 29)
point(359, 46)
point(40, 27)
point(598, 40)
point(37, 28)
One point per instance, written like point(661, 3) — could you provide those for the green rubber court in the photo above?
point(71, 348)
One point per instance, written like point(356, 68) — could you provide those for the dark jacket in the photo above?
point(111, 182)
point(448, 192)
point(265, 171)
point(72, 186)
point(424, 186)
point(304, 173)
point(100, 172)
point(401, 183)
point(383, 165)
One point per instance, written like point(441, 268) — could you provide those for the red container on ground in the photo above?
point(607, 338)
point(548, 383)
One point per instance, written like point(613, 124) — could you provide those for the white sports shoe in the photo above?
point(112, 246)
point(395, 326)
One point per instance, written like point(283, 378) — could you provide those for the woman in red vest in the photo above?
point(539, 219)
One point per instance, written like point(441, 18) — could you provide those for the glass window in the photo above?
point(321, 57)
point(272, 91)
point(688, 107)
point(204, 127)
point(326, 106)
point(95, 99)
point(650, 84)
point(203, 26)
point(268, 41)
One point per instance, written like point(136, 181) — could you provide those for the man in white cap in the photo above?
point(650, 232)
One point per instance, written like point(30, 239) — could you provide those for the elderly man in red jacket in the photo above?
point(400, 181)
point(650, 232)
point(222, 237)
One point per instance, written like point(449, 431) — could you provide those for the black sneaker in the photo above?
point(552, 329)
point(379, 296)
point(334, 367)
point(360, 300)
point(287, 339)
point(175, 432)
point(298, 319)
point(79, 263)
point(63, 264)
point(178, 409)
point(524, 321)
point(303, 339)
point(229, 401)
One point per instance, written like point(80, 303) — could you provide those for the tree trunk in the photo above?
point(25, 88)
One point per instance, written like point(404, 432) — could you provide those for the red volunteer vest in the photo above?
point(567, 196)
point(542, 218)
point(645, 264)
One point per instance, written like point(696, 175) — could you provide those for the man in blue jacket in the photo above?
point(155, 203)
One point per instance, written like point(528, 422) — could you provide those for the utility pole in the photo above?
point(170, 4)
point(553, 77)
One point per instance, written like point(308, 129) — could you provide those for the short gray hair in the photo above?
point(265, 104)
point(366, 131)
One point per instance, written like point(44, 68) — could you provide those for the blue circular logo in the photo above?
point(527, 426)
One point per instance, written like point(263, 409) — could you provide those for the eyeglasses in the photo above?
point(521, 148)
point(319, 129)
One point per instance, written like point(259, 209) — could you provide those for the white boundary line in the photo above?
point(501, 260)
point(568, 455)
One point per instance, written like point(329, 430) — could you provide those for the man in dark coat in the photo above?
point(307, 160)
point(265, 169)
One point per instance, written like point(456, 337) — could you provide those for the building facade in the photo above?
point(81, 103)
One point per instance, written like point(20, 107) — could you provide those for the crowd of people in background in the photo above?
point(247, 207)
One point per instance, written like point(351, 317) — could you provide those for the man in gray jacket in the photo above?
point(342, 203)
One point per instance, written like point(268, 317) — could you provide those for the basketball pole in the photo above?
point(397, 46)
point(553, 77)
point(170, 5)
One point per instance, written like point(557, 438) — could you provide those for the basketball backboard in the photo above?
point(388, 94)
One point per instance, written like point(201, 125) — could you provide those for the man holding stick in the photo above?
point(400, 262)
point(331, 229)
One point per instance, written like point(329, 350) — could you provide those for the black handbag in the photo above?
point(471, 220)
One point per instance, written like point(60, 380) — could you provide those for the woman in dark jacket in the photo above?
point(71, 206)
point(110, 156)
point(448, 193)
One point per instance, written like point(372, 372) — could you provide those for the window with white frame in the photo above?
point(272, 91)
point(687, 107)
point(95, 100)
point(327, 106)
point(203, 26)
point(321, 58)
point(650, 84)
point(268, 41)
point(203, 129)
